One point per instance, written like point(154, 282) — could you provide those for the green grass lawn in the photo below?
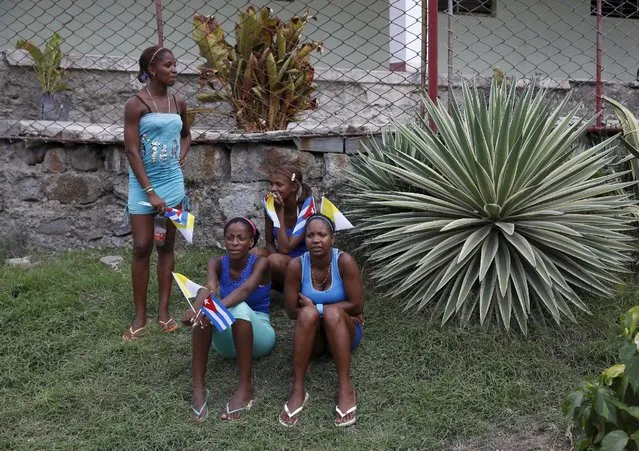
point(67, 380)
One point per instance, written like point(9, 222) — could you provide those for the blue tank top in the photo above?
point(260, 299)
point(334, 293)
point(299, 250)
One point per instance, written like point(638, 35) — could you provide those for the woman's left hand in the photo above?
point(304, 301)
point(183, 162)
point(358, 319)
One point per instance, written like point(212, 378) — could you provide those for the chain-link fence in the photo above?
point(373, 66)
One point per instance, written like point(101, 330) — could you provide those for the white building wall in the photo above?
point(526, 37)
point(548, 37)
point(354, 33)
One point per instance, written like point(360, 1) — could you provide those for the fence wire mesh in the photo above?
point(371, 72)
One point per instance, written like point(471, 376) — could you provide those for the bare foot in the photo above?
point(241, 401)
point(347, 400)
point(295, 404)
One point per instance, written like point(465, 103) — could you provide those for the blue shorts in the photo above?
point(357, 339)
point(263, 333)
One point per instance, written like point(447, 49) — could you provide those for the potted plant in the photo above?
point(266, 77)
point(54, 104)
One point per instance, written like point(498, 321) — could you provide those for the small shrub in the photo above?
point(266, 77)
point(605, 413)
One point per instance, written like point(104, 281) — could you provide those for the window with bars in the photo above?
point(627, 9)
point(473, 7)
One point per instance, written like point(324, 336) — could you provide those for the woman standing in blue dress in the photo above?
point(156, 140)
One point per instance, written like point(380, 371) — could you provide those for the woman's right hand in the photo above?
point(190, 318)
point(157, 203)
point(278, 202)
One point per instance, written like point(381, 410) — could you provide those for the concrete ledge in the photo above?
point(190, 67)
point(317, 139)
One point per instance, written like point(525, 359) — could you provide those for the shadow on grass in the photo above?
point(68, 381)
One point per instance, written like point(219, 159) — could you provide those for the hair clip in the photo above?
point(144, 76)
point(293, 177)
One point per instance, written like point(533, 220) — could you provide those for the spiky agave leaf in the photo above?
point(498, 212)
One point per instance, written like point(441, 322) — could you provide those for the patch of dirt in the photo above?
point(545, 437)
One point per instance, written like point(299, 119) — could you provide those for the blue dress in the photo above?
point(160, 154)
point(334, 293)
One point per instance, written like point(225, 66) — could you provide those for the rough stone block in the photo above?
point(30, 189)
point(56, 227)
point(242, 200)
point(87, 159)
point(116, 160)
point(20, 262)
point(55, 160)
point(333, 144)
point(121, 187)
point(207, 164)
point(34, 153)
point(112, 261)
point(336, 167)
point(75, 188)
point(253, 162)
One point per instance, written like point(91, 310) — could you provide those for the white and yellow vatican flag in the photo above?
point(328, 209)
point(188, 287)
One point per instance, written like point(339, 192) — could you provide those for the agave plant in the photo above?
point(630, 137)
point(266, 77)
point(499, 212)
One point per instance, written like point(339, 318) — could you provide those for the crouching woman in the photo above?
point(245, 286)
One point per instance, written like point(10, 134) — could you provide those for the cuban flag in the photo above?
point(217, 314)
point(307, 210)
point(183, 220)
point(269, 208)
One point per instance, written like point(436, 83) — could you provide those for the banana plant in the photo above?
point(47, 64)
point(266, 77)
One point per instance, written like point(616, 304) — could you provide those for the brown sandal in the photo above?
point(168, 326)
point(131, 335)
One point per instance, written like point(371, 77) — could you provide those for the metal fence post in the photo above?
point(160, 23)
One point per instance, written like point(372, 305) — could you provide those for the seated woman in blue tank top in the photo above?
point(245, 287)
point(323, 292)
point(289, 193)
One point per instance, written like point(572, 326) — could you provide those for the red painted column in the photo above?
point(432, 49)
point(598, 103)
point(160, 23)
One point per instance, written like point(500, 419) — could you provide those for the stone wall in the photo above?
point(350, 100)
point(61, 195)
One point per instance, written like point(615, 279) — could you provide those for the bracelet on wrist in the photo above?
point(148, 189)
